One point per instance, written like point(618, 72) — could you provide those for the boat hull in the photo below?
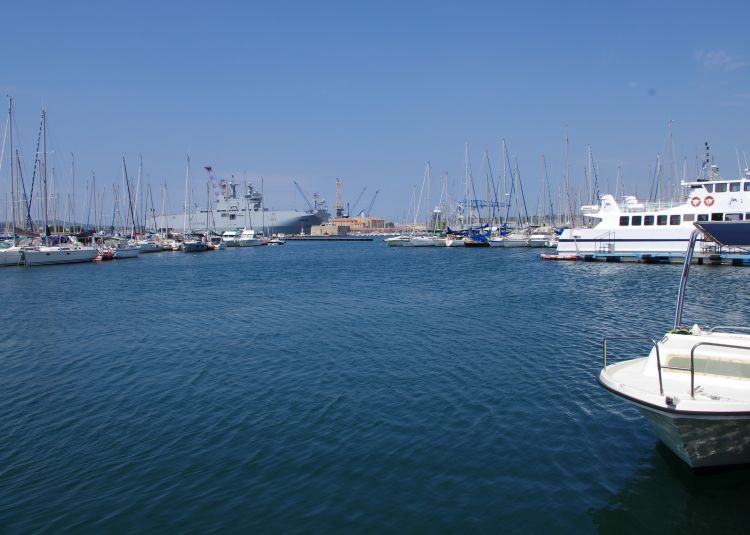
point(131, 251)
point(702, 441)
point(11, 257)
point(42, 256)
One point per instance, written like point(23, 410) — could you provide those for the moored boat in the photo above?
point(694, 386)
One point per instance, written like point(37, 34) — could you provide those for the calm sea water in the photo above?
point(339, 387)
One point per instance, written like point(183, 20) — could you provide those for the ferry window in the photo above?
point(648, 220)
point(733, 217)
point(674, 219)
point(721, 188)
point(661, 220)
point(717, 216)
point(688, 217)
point(624, 221)
point(747, 216)
point(734, 186)
point(747, 186)
point(232, 217)
point(709, 187)
point(635, 220)
point(702, 217)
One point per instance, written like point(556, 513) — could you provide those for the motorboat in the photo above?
point(693, 388)
point(194, 245)
point(249, 238)
point(216, 243)
point(231, 237)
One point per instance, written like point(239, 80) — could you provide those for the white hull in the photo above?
point(43, 255)
point(150, 247)
point(704, 421)
point(254, 242)
point(702, 441)
point(12, 256)
point(454, 242)
point(398, 241)
point(129, 251)
point(510, 242)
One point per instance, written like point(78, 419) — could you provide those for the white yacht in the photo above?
point(634, 226)
point(231, 238)
point(694, 386)
point(67, 251)
point(248, 238)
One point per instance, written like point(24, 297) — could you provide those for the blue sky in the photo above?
point(369, 91)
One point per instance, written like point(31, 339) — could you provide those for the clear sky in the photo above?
point(369, 91)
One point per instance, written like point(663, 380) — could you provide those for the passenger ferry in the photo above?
point(632, 226)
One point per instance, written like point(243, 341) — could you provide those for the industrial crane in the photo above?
point(213, 181)
point(304, 195)
point(372, 202)
point(354, 206)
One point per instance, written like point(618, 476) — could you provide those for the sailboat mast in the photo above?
point(187, 179)
point(44, 173)
point(12, 166)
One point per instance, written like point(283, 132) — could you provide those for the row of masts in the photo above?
point(502, 200)
point(33, 206)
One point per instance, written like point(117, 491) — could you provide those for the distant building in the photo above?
point(361, 224)
point(329, 229)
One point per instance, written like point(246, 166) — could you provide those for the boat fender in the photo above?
point(708, 201)
point(695, 201)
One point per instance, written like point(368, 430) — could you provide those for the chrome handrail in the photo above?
point(692, 360)
point(634, 338)
point(733, 327)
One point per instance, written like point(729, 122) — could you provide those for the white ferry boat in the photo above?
point(632, 226)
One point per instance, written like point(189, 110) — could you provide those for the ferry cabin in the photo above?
point(631, 226)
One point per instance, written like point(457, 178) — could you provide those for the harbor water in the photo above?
point(345, 387)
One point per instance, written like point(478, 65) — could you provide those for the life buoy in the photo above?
point(695, 201)
point(708, 201)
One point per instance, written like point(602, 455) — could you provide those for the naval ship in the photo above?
point(234, 211)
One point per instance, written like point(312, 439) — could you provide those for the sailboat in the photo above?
point(57, 249)
point(190, 242)
point(10, 253)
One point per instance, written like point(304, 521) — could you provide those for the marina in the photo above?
point(364, 267)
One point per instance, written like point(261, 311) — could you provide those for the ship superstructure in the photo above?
point(235, 209)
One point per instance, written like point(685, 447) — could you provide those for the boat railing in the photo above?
point(605, 243)
point(692, 361)
point(728, 328)
point(605, 343)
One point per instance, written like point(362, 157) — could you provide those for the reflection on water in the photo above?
point(665, 496)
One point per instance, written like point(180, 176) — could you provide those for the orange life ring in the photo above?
point(708, 201)
point(695, 201)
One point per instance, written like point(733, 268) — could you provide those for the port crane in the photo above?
point(212, 178)
point(372, 202)
point(354, 206)
point(304, 195)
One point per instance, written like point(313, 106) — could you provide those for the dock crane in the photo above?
point(304, 195)
point(372, 202)
point(212, 178)
point(354, 206)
